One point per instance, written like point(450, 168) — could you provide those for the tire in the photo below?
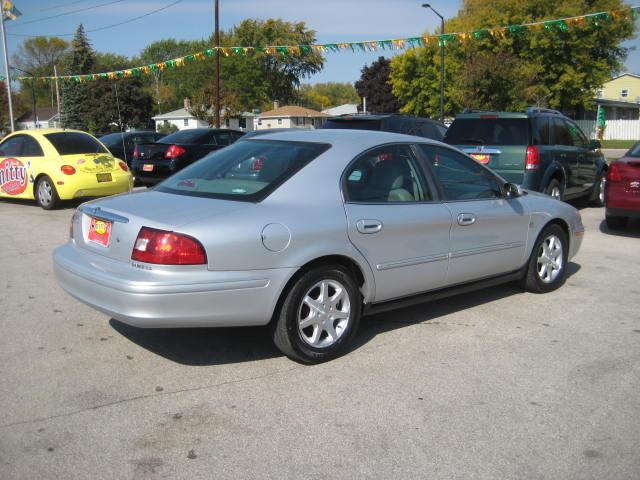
point(46, 194)
point(597, 196)
point(545, 253)
point(616, 223)
point(313, 343)
point(554, 189)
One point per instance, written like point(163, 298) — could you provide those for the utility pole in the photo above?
point(426, 5)
point(6, 68)
point(217, 40)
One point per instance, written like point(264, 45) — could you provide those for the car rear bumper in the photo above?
point(88, 186)
point(622, 212)
point(147, 298)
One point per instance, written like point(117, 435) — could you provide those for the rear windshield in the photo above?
point(185, 136)
point(246, 171)
point(634, 151)
point(75, 143)
point(356, 124)
point(112, 139)
point(488, 131)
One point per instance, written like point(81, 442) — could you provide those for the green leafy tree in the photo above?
point(75, 95)
point(325, 95)
point(557, 65)
point(374, 85)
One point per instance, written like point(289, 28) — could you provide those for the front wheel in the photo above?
point(319, 315)
point(547, 270)
point(46, 193)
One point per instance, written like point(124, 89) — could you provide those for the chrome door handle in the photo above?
point(369, 226)
point(465, 219)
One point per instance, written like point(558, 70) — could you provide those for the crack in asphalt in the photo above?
point(143, 397)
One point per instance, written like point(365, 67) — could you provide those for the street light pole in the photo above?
point(426, 5)
point(217, 40)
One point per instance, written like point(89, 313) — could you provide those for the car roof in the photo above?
point(530, 112)
point(340, 137)
point(380, 116)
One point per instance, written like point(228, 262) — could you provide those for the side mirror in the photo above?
point(511, 190)
point(595, 145)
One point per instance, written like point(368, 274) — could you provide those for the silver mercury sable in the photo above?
point(309, 230)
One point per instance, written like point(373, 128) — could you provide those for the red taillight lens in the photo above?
point(167, 248)
point(174, 151)
point(123, 166)
point(67, 169)
point(614, 174)
point(135, 151)
point(532, 158)
point(257, 164)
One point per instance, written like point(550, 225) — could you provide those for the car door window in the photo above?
point(577, 137)
point(462, 178)
point(561, 133)
point(12, 147)
point(386, 175)
point(31, 147)
point(542, 131)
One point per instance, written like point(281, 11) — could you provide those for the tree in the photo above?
point(18, 108)
point(75, 95)
point(325, 95)
point(558, 65)
point(374, 85)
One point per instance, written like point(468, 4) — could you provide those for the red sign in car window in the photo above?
point(100, 231)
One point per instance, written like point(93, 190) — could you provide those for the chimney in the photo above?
point(276, 104)
point(187, 104)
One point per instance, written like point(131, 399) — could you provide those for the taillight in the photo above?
point(67, 169)
point(167, 248)
point(174, 151)
point(135, 151)
point(123, 166)
point(257, 164)
point(532, 158)
point(613, 174)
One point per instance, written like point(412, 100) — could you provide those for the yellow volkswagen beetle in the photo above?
point(50, 165)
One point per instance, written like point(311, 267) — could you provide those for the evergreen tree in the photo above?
point(75, 95)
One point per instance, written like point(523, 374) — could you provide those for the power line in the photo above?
point(61, 5)
point(66, 13)
point(106, 26)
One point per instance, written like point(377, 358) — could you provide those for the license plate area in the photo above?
point(103, 177)
point(147, 167)
point(100, 231)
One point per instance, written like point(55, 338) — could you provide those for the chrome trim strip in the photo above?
point(490, 151)
point(411, 261)
point(97, 212)
point(487, 249)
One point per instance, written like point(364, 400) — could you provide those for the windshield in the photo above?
point(634, 151)
point(356, 124)
point(488, 131)
point(246, 171)
point(75, 143)
point(185, 136)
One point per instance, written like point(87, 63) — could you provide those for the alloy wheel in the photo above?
point(45, 192)
point(324, 313)
point(556, 193)
point(550, 259)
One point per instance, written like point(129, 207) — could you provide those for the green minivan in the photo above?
point(540, 149)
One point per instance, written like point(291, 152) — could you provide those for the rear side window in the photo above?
point(386, 174)
point(187, 136)
point(74, 143)
point(542, 131)
point(461, 177)
point(354, 124)
point(246, 171)
point(488, 131)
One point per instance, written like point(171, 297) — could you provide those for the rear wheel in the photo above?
point(319, 315)
point(616, 223)
point(597, 198)
point(554, 189)
point(46, 193)
point(547, 265)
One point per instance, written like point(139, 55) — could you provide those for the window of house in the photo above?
point(599, 93)
point(624, 93)
point(242, 123)
point(279, 121)
point(186, 122)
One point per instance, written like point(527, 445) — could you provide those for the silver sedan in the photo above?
point(330, 225)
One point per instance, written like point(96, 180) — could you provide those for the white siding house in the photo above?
point(184, 120)
point(290, 116)
point(346, 109)
point(47, 118)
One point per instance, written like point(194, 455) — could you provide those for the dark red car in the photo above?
point(622, 190)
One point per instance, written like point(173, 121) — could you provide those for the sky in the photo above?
point(333, 21)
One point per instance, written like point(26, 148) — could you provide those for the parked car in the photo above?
point(622, 189)
point(50, 165)
point(540, 149)
point(389, 122)
point(337, 224)
point(122, 144)
point(153, 162)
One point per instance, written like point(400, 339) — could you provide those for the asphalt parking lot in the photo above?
point(497, 384)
